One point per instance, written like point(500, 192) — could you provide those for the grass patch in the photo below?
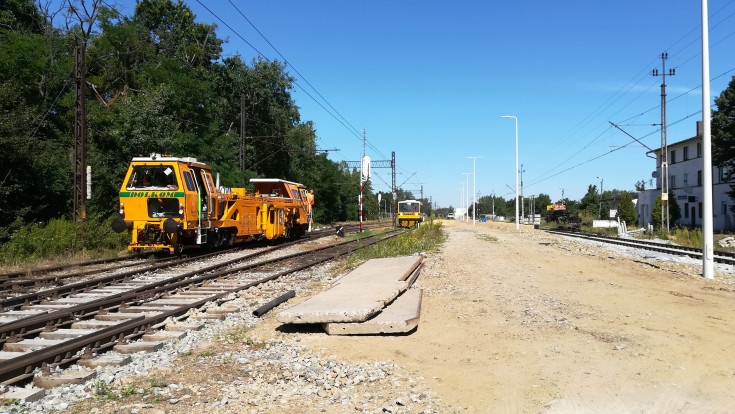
point(487, 237)
point(427, 238)
point(685, 236)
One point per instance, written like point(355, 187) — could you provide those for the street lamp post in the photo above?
point(707, 218)
point(516, 118)
point(474, 193)
point(599, 210)
point(493, 205)
point(461, 196)
point(467, 196)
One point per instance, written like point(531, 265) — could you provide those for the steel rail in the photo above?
point(23, 367)
point(16, 331)
point(693, 252)
point(10, 282)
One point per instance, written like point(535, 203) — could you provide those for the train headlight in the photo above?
point(181, 209)
point(122, 209)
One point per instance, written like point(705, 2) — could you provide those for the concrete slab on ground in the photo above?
point(358, 295)
point(401, 316)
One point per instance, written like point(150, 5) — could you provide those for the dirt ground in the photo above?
point(522, 321)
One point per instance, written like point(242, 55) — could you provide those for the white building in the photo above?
point(685, 183)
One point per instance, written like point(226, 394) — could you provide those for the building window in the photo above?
point(699, 149)
point(723, 174)
point(686, 210)
point(699, 178)
point(673, 157)
point(686, 153)
point(672, 181)
point(686, 179)
point(700, 209)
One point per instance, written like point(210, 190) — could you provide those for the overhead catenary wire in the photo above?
point(333, 113)
point(601, 110)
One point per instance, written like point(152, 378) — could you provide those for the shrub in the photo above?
point(60, 238)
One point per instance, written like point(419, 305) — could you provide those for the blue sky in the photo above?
point(430, 80)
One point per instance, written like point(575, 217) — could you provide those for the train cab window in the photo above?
point(189, 181)
point(409, 207)
point(153, 177)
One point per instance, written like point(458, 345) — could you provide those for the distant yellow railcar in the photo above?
point(409, 213)
point(174, 203)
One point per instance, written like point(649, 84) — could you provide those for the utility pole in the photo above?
point(80, 136)
point(362, 173)
point(664, 146)
point(243, 124)
point(599, 210)
point(393, 205)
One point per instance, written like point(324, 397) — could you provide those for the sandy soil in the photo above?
point(522, 321)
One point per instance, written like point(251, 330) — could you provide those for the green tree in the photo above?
point(541, 202)
point(35, 174)
point(626, 209)
point(723, 133)
point(674, 211)
point(590, 203)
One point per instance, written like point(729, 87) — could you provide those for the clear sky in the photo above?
point(431, 79)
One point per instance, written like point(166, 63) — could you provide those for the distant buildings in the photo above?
point(685, 182)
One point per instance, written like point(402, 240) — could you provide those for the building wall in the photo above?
point(685, 182)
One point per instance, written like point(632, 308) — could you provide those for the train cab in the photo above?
point(409, 213)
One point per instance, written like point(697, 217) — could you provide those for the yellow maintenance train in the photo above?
point(409, 213)
point(174, 203)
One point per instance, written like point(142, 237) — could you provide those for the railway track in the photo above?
point(22, 286)
point(66, 330)
point(693, 252)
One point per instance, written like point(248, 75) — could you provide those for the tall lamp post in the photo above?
point(599, 210)
point(707, 219)
point(461, 196)
point(467, 195)
point(516, 118)
point(474, 193)
point(493, 205)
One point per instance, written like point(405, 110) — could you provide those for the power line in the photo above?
point(337, 117)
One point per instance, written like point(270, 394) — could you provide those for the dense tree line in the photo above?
point(156, 83)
